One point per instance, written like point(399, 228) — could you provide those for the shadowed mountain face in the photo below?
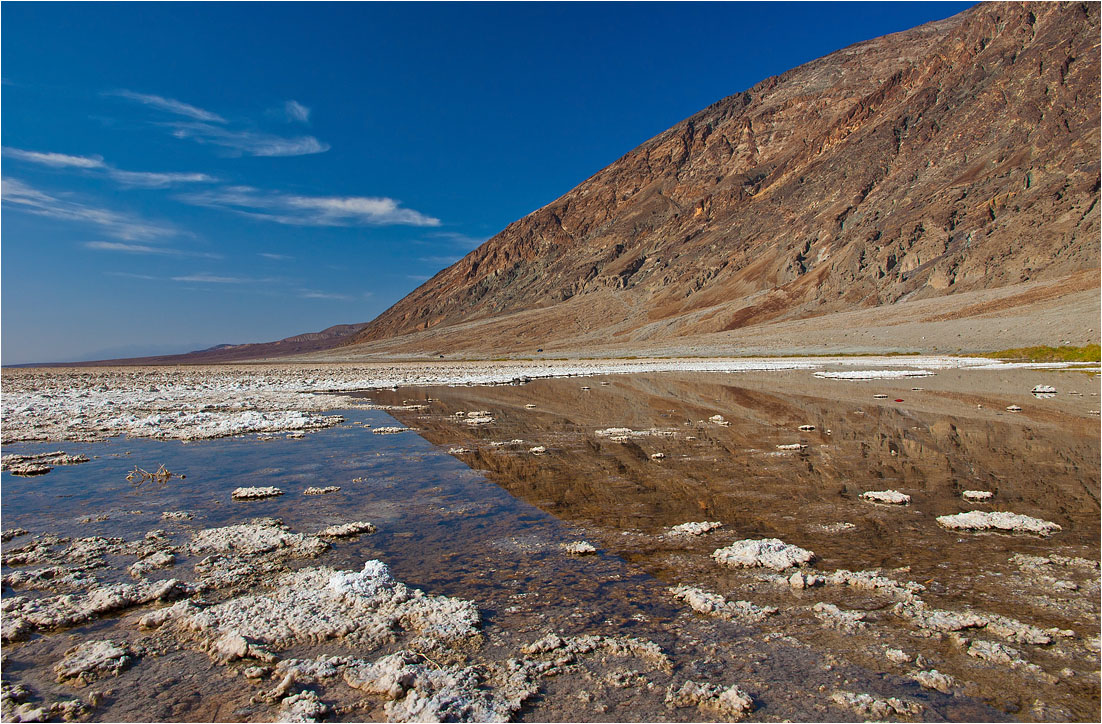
point(957, 156)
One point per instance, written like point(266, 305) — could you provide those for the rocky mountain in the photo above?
point(959, 156)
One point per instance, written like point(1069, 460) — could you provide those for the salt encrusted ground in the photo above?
point(271, 610)
point(190, 403)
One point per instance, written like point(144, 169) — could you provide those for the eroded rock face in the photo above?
point(785, 200)
point(771, 553)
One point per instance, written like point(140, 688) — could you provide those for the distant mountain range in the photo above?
point(959, 156)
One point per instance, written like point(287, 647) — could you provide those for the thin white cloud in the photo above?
point(418, 277)
point(445, 260)
point(56, 160)
point(252, 143)
point(130, 275)
point(298, 210)
point(275, 257)
point(96, 164)
point(296, 112)
point(461, 240)
point(122, 226)
point(170, 105)
point(209, 128)
point(146, 249)
point(217, 279)
point(314, 294)
point(157, 180)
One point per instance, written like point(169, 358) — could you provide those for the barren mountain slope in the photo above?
point(958, 156)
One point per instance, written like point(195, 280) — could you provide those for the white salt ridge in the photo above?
point(579, 548)
point(1010, 522)
point(977, 495)
point(873, 374)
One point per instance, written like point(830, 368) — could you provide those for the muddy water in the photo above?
point(951, 434)
point(489, 525)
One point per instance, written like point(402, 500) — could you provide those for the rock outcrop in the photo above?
point(957, 156)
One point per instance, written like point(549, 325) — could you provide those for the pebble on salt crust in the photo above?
point(579, 548)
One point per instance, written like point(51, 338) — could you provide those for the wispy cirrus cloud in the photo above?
point(55, 160)
point(455, 238)
point(332, 296)
point(248, 142)
point(275, 257)
point(239, 138)
point(296, 112)
point(445, 260)
point(169, 105)
point(146, 249)
point(299, 210)
point(204, 278)
point(158, 180)
point(23, 197)
point(96, 165)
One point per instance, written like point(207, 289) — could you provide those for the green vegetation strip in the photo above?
point(1090, 353)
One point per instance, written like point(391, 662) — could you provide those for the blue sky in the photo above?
point(179, 175)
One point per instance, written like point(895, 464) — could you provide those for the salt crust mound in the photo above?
point(252, 493)
point(264, 535)
point(312, 605)
point(93, 659)
point(23, 615)
point(771, 553)
point(711, 700)
point(346, 530)
point(695, 528)
point(1011, 522)
point(712, 604)
point(874, 707)
point(889, 497)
